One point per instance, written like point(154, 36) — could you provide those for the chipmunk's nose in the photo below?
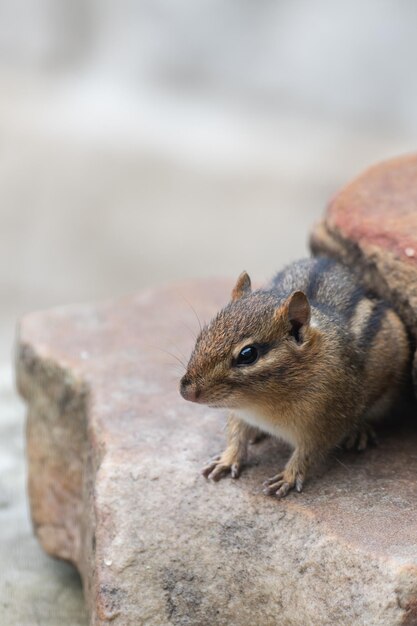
point(189, 390)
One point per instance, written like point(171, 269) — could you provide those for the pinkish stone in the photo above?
point(371, 225)
point(115, 487)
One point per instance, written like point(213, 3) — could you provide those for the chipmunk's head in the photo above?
point(253, 348)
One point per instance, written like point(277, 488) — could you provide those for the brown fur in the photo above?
point(330, 358)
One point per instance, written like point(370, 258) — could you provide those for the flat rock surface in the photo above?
point(115, 486)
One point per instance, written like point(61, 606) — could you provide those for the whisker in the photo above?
point(175, 368)
point(194, 335)
point(179, 352)
point(193, 310)
point(342, 464)
point(174, 356)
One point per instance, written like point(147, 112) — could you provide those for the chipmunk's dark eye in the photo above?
point(247, 356)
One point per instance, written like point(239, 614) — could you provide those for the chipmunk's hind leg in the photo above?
point(361, 438)
point(382, 406)
point(364, 435)
point(257, 436)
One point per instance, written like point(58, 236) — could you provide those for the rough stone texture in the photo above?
point(372, 226)
point(115, 488)
point(35, 590)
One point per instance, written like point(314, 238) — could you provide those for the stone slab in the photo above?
point(35, 590)
point(115, 486)
point(371, 225)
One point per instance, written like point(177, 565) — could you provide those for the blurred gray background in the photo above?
point(150, 141)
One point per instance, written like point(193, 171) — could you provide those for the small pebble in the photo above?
point(108, 562)
point(410, 252)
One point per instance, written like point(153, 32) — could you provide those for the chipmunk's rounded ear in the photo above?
point(295, 310)
point(242, 287)
point(298, 308)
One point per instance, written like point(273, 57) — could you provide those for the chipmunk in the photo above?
point(312, 359)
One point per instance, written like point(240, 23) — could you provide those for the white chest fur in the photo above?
point(267, 425)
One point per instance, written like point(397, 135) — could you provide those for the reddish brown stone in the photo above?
point(115, 487)
point(371, 225)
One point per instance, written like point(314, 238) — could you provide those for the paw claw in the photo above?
point(207, 470)
point(268, 491)
point(220, 470)
point(273, 479)
point(235, 470)
point(283, 490)
point(299, 484)
point(280, 484)
point(217, 468)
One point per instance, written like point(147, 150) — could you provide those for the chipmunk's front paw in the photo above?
point(282, 483)
point(222, 465)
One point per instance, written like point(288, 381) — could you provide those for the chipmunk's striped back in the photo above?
point(334, 292)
